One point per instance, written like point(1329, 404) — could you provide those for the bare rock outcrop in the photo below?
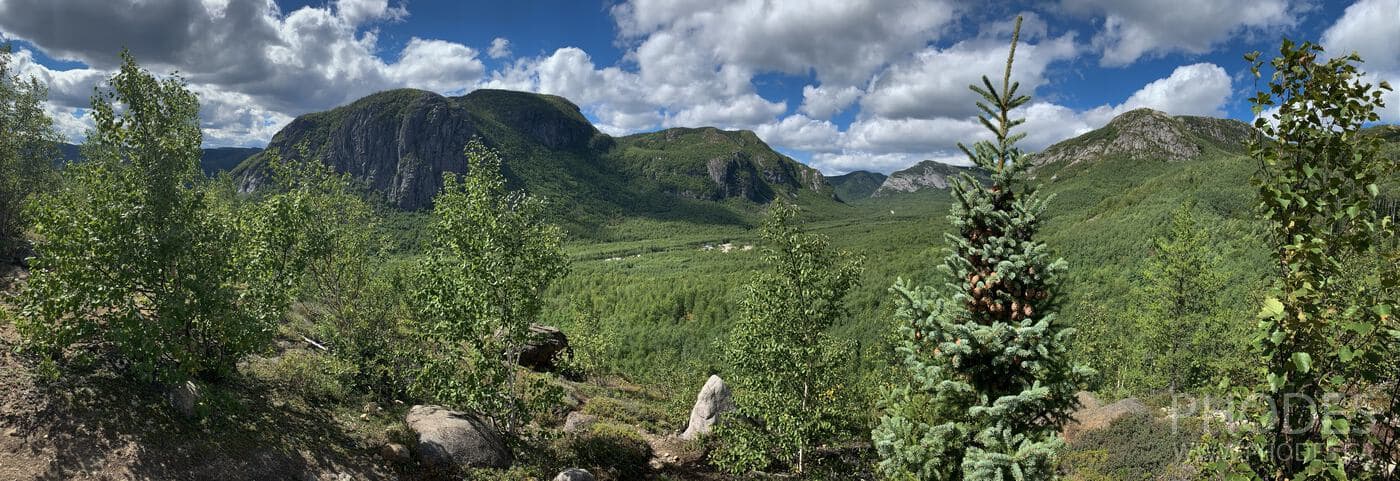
point(1093, 416)
point(713, 402)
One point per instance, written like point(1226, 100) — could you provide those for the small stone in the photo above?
point(370, 408)
point(364, 417)
point(574, 474)
point(394, 453)
point(13, 432)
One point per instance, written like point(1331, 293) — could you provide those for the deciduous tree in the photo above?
point(785, 367)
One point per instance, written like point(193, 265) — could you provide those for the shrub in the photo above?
point(475, 294)
point(787, 371)
point(1327, 327)
point(313, 376)
point(133, 252)
point(26, 154)
point(609, 451)
point(1135, 447)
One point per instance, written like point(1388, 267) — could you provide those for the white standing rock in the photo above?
point(714, 400)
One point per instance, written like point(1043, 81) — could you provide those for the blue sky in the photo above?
point(840, 84)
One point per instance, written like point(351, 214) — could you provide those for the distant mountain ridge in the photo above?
point(400, 142)
point(856, 185)
point(1139, 134)
point(212, 160)
point(1149, 134)
point(925, 175)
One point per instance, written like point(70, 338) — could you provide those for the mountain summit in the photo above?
point(1149, 134)
point(400, 142)
point(925, 175)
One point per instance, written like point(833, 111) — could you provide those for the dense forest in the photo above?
point(1144, 301)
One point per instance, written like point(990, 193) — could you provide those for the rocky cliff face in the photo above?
point(397, 142)
point(924, 175)
point(1149, 134)
point(400, 142)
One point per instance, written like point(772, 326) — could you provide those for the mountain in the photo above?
point(211, 161)
point(220, 159)
point(711, 164)
point(856, 185)
point(1150, 134)
point(400, 142)
point(923, 176)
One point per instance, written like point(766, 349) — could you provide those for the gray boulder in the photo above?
point(577, 421)
point(184, 398)
point(574, 474)
point(456, 439)
point(543, 347)
point(713, 401)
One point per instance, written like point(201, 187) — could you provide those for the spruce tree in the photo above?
point(991, 378)
point(1182, 327)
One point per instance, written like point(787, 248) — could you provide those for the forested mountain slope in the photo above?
point(400, 142)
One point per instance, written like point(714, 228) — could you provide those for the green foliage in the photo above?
point(1135, 447)
point(27, 151)
point(788, 373)
point(593, 341)
point(475, 294)
point(131, 252)
point(1186, 346)
point(1327, 329)
point(349, 287)
point(313, 376)
point(609, 451)
point(991, 381)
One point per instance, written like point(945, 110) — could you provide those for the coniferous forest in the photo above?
point(520, 294)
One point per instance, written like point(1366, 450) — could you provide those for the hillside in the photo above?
point(1107, 209)
point(924, 176)
point(712, 164)
point(856, 185)
point(1149, 134)
point(212, 161)
point(400, 142)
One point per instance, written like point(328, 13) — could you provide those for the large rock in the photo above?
point(456, 439)
point(577, 421)
point(543, 347)
point(574, 474)
point(184, 398)
point(1092, 417)
point(713, 401)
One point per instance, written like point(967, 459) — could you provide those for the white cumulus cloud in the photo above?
point(500, 48)
point(1371, 28)
point(1134, 29)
